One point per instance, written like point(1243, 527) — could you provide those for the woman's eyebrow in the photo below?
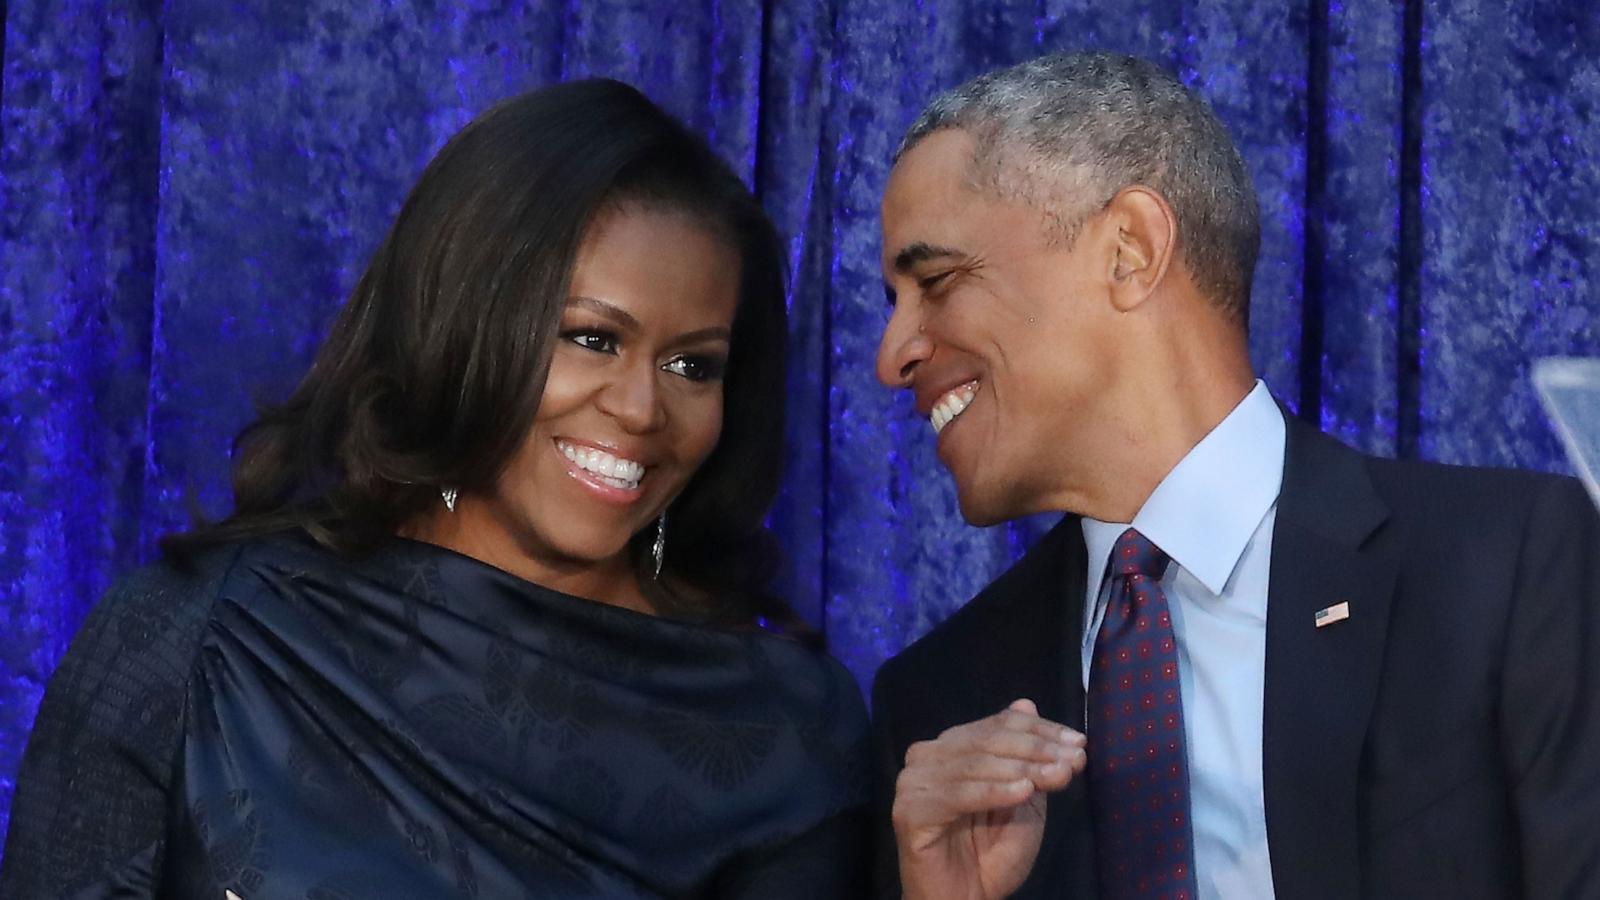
point(715, 333)
point(611, 311)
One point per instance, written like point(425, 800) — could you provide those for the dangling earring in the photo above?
point(658, 550)
point(449, 494)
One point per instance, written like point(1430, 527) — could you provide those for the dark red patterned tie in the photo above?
point(1138, 768)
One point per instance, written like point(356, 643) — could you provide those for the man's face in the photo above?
point(1004, 335)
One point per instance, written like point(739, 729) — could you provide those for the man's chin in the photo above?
point(999, 500)
point(981, 510)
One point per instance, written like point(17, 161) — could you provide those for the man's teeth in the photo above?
point(608, 469)
point(951, 405)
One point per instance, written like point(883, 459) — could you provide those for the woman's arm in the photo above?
point(829, 861)
point(91, 801)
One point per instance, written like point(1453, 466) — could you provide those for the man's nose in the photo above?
point(902, 348)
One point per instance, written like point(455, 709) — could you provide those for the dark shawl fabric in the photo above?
point(285, 723)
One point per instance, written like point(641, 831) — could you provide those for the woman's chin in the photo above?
point(599, 554)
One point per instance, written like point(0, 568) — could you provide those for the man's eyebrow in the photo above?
point(614, 313)
point(921, 251)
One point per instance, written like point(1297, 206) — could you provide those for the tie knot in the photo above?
point(1135, 555)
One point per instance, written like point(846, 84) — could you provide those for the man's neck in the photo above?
point(1144, 446)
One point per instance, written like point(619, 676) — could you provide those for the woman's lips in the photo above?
point(609, 476)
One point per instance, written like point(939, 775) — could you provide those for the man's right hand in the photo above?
point(969, 805)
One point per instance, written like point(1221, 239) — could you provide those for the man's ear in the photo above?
point(1146, 238)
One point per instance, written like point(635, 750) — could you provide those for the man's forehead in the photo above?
point(927, 194)
point(941, 162)
point(928, 239)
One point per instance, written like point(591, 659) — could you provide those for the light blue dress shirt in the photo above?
point(1213, 515)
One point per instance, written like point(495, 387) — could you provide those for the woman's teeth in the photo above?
point(615, 471)
point(951, 405)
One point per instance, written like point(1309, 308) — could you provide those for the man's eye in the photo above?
point(598, 341)
point(697, 368)
point(932, 282)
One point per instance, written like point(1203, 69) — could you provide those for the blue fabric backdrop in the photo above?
point(188, 189)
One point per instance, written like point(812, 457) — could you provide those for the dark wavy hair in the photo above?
point(435, 366)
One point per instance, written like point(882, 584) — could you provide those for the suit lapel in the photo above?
point(1038, 655)
point(1040, 607)
point(1321, 682)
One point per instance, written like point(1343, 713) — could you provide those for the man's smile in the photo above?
point(952, 404)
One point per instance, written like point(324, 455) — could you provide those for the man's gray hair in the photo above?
point(1065, 132)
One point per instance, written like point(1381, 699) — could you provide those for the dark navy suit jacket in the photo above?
point(1443, 741)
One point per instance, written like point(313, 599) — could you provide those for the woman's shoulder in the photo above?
point(147, 627)
point(814, 685)
point(144, 632)
point(165, 595)
point(131, 659)
point(806, 666)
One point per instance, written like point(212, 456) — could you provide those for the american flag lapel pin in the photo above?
point(1335, 613)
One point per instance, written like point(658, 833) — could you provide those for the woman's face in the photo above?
point(632, 406)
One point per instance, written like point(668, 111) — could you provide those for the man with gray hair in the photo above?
point(1249, 662)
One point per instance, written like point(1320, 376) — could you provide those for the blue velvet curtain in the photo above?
point(188, 189)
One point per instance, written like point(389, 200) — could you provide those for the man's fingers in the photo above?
point(994, 763)
point(925, 807)
point(1013, 719)
point(1014, 732)
point(1005, 745)
point(988, 767)
point(938, 777)
point(1055, 776)
point(1026, 745)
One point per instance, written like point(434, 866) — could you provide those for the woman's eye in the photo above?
point(696, 368)
point(598, 341)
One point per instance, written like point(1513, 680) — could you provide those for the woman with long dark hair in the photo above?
point(490, 616)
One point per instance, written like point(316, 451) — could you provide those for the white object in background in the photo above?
point(1569, 388)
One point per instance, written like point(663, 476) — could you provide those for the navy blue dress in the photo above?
point(286, 723)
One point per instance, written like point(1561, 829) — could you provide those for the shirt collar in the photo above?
point(1205, 510)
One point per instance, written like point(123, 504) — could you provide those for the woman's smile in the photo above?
point(611, 475)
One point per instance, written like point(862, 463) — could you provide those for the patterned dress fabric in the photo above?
point(283, 723)
point(1138, 764)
